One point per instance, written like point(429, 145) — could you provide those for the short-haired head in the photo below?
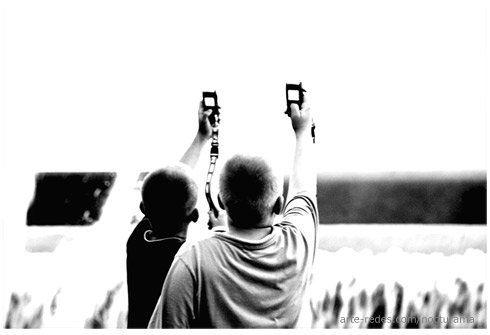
point(249, 189)
point(169, 194)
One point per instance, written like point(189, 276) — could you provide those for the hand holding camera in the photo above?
point(298, 110)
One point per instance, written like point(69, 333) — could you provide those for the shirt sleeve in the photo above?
point(302, 212)
point(156, 317)
point(175, 307)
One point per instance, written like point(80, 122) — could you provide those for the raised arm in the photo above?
point(303, 175)
point(191, 156)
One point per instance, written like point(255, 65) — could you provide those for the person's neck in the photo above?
point(164, 234)
point(255, 233)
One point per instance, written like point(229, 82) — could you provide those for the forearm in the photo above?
point(191, 156)
point(303, 175)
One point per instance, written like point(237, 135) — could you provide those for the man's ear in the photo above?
point(194, 216)
point(220, 203)
point(142, 207)
point(278, 205)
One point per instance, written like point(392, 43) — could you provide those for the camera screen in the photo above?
point(293, 95)
point(209, 102)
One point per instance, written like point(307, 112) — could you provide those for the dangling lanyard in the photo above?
point(214, 120)
point(213, 158)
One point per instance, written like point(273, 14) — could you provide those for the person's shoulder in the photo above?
point(138, 232)
point(301, 209)
point(302, 199)
point(193, 246)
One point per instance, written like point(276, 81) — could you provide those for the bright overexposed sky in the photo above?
point(114, 85)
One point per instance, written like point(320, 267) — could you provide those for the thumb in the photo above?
point(207, 113)
point(294, 109)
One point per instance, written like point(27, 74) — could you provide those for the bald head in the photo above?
point(170, 192)
point(249, 189)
